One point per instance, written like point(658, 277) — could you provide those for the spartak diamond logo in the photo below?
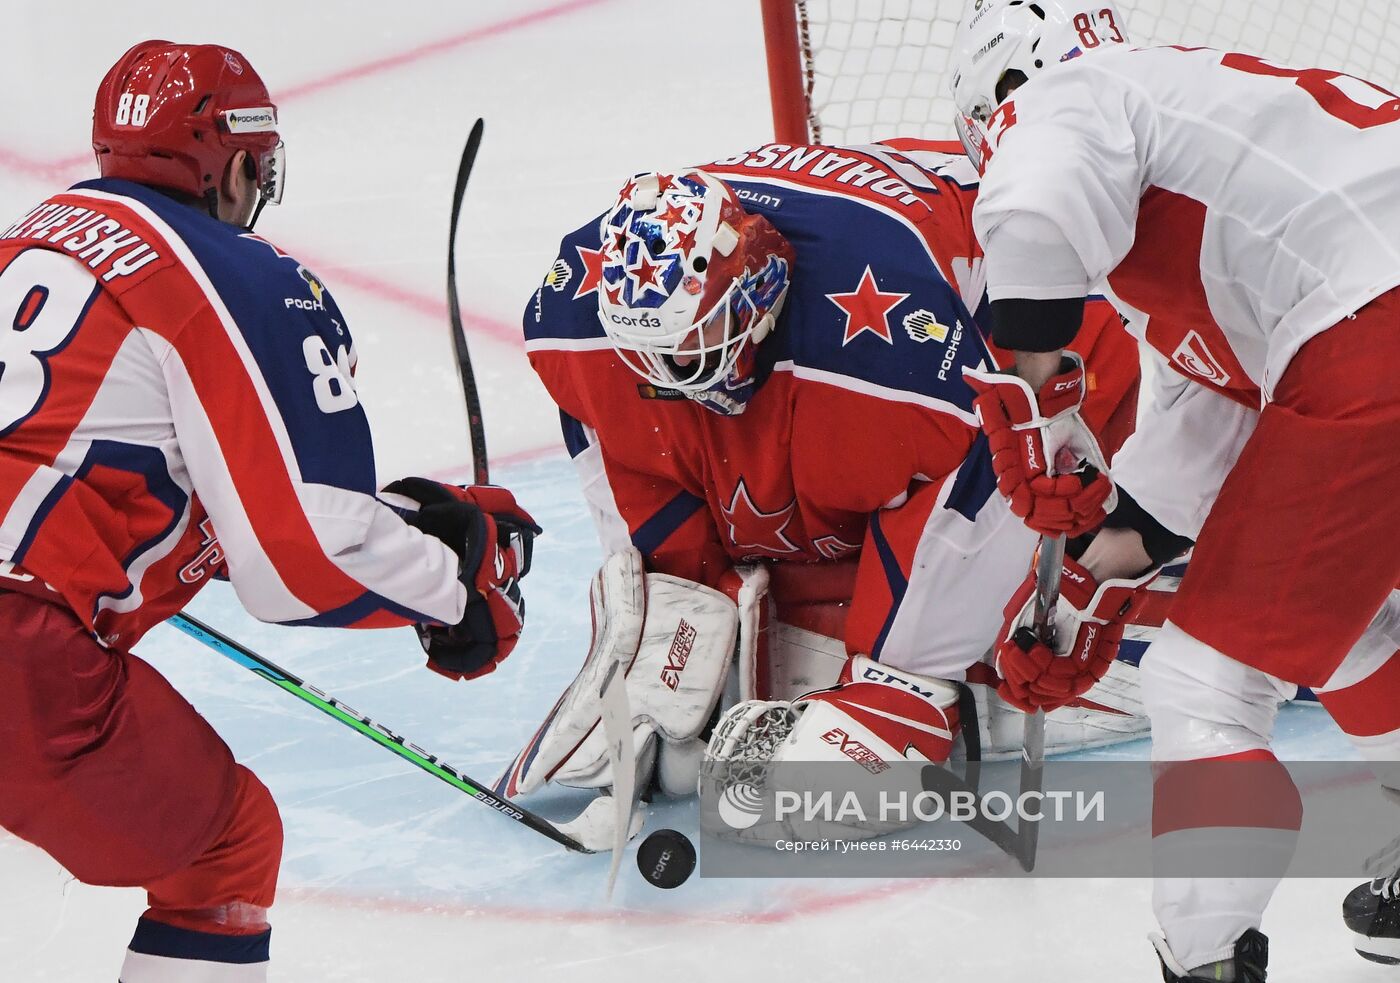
point(1193, 356)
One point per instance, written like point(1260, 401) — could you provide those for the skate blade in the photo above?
point(1376, 950)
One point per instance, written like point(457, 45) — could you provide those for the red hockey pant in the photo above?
point(111, 772)
point(1303, 544)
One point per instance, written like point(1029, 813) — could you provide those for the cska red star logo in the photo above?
point(673, 216)
point(592, 260)
point(765, 528)
point(834, 547)
point(867, 309)
point(643, 274)
point(685, 241)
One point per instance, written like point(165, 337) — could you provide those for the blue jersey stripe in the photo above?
point(357, 610)
point(575, 439)
point(670, 517)
point(894, 576)
point(975, 483)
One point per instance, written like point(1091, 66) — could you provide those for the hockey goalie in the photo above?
point(758, 366)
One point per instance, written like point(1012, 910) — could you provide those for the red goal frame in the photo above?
point(789, 80)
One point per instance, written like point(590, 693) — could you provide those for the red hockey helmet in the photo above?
point(172, 115)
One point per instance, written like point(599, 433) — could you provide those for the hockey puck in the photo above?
point(666, 858)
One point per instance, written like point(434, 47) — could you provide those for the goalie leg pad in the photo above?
point(617, 600)
point(1111, 712)
point(684, 643)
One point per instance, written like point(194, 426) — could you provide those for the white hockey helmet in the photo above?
point(1027, 36)
point(691, 283)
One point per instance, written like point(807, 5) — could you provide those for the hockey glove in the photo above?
point(1088, 626)
point(494, 537)
point(1022, 426)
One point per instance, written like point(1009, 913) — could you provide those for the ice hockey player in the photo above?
point(176, 404)
point(1243, 217)
point(757, 365)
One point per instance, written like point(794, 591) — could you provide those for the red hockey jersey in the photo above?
point(176, 398)
point(861, 439)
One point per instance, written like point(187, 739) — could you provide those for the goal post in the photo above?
point(787, 75)
point(855, 71)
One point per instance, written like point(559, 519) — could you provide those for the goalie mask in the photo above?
point(691, 284)
point(1026, 36)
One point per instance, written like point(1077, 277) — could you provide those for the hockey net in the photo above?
point(853, 71)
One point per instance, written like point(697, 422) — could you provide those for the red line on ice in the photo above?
point(62, 166)
point(431, 305)
point(60, 170)
point(804, 906)
point(63, 169)
point(434, 48)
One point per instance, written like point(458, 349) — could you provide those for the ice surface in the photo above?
point(389, 874)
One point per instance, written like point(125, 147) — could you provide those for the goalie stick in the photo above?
point(613, 696)
point(617, 728)
point(590, 832)
point(476, 428)
point(1023, 840)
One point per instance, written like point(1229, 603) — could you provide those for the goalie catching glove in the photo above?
point(1087, 628)
point(1027, 431)
point(876, 716)
point(494, 539)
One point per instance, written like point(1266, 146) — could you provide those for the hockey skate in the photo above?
point(1249, 965)
point(1372, 912)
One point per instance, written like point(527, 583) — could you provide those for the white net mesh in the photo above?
point(879, 68)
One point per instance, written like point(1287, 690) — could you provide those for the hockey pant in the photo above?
point(1300, 552)
point(117, 777)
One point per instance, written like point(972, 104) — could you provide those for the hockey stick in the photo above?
point(618, 601)
point(1023, 840)
point(477, 430)
point(584, 834)
point(617, 728)
point(1050, 561)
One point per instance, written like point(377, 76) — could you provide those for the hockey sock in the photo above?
point(163, 953)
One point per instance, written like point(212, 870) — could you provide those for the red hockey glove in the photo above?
point(1021, 426)
point(494, 537)
point(1088, 625)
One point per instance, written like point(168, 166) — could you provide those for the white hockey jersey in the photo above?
point(1243, 207)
